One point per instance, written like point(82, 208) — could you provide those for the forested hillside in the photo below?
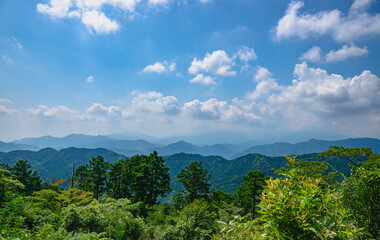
point(227, 175)
point(211, 197)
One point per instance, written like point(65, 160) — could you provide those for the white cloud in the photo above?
point(5, 100)
point(246, 54)
point(99, 112)
point(7, 59)
point(156, 102)
point(360, 5)
point(342, 28)
point(217, 63)
point(321, 93)
point(60, 112)
point(202, 79)
point(157, 2)
point(90, 12)
point(57, 9)
point(4, 110)
point(98, 22)
point(159, 67)
point(346, 52)
point(212, 109)
point(314, 54)
point(90, 79)
point(265, 84)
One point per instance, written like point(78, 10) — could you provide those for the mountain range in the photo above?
point(229, 151)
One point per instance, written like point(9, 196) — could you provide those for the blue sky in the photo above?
point(251, 69)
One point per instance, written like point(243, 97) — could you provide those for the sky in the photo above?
point(222, 70)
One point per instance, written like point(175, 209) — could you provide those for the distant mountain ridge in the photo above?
point(229, 151)
point(311, 146)
point(7, 147)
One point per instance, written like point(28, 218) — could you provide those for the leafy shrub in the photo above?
point(297, 207)
point(111, 217)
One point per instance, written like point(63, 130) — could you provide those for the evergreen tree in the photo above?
point(250, 190)
point(29, 178)
point(92, 177)
point(119, 180)
point(194, 178)
point(149, 178)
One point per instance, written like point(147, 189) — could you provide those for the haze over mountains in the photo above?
point(229, 151)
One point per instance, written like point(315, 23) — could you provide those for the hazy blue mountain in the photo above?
point(71, 140)
point(52, 163)
point(125, 147)
point(223, 150)
point(311, 146)
point(7, 147)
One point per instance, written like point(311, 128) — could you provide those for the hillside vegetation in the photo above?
point(332, 195)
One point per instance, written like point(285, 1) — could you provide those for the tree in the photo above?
point(250, 190)
point(119, 180)
point(313, 169)
point(8, 183)
point(361, 195)
point(355, 155)
point(194, 179)
point(149, 178)
point(92, 177)
point(30, 179)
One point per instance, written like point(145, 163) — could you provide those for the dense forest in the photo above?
point(333, 195)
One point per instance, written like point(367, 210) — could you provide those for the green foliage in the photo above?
point(194, 178)
point(355, 155)
point(119, 180)
point(313, 169)
point(92, 177)
point(8, 183)
point(111, 217)
point(12, 212)
point(361, 195)
point(30, 179)
point(247, 194)
point(297, 207)
point(195, 221)
point(150, 178)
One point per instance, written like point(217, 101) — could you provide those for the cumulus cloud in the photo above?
point(315, 90)
point(265, 84)
point(218, 63)
point(57, 9)
point(356, 24)
point(90, 79)
point(346, 52)
point(314, 54)
point(60, 112)
point(213, 109)
point(246, 54)
point(155, 102)
point(98, 22)
point(99, 112)
point(203, 80)
point(159, 67)
point(90, 12)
